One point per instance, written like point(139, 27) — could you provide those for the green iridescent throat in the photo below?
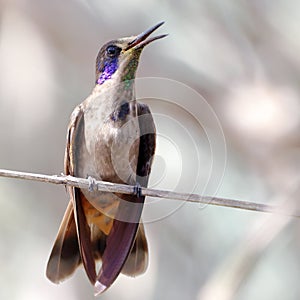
point(130, 70)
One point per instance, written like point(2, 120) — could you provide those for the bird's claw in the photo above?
point(137, 190)
point(92, 184)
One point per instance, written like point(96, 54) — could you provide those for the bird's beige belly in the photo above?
point(111, 155)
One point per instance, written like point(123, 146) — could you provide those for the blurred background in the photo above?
point(241, 142)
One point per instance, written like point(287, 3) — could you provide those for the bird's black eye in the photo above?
point(113, 51)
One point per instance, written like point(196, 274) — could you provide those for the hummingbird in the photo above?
point(110, 137)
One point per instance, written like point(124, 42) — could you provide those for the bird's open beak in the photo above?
point(141, 40)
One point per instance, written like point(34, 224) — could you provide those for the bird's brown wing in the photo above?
point(74, 234)
point(122, 243)
point(147, 144)
point(137, 260)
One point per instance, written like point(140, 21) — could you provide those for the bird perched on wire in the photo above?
point(111, 137)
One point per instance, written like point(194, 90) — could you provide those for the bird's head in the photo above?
point(118, 59)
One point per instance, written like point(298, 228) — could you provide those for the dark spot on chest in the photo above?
point(121, 112)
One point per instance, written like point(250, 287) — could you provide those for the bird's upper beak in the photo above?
point(141, 40)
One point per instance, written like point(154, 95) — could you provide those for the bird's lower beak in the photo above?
point(141, 40)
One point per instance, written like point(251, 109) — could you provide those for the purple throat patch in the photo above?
point(109, 69)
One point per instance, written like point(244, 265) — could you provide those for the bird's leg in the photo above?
point(137, 190)
point(92, 184)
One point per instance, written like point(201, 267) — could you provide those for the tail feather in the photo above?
point(65, 256)
point(137, 261)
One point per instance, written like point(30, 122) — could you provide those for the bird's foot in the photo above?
point(92, 184)
point(137, 190)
